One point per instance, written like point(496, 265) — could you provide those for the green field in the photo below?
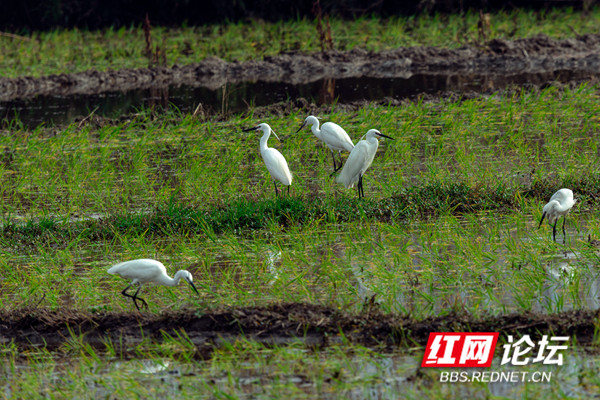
point(449, 223)
point(68, 51)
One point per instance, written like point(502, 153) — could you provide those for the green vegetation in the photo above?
point(449, 224)
point(237, 369)
point(452, 206)
point(449, 156)
point(74, 50)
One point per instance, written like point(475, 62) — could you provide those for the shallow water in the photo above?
point(368, 376)
point(239, 97)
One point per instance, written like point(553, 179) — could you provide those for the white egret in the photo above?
point(359, 161)
point(333, 135)
point(273, 159)
point(147, 270)
point(559, 205)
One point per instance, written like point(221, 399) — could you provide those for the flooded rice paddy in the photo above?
point(365, 375)
point(266, 321)
point(417, 269)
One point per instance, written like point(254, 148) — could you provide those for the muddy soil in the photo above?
point(538, 54)
point(274, 324)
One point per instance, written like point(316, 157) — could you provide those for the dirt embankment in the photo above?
point(316, 325)
point(538, 54)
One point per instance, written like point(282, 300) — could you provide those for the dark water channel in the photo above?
point(240, 96)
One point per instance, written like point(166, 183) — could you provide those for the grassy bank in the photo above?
point(70, 51)
point(244, 216)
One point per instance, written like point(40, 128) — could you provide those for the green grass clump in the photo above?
point(67, 51)
point(430, 200)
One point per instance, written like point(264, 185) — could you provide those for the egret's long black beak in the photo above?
point(193, 286)
point(542, 220)
point(250, 129)
point(387, 137)
point(299, 129)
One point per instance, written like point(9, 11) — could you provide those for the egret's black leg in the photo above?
point(276, 190)
point(362, 186)
point(289, 190)
point(554, 230)
point(334, 164)
point(335, 167)
point(564, 233)
point(341, 162)
point(361, 191)
point(134, 297)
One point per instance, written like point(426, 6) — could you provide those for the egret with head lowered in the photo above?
point(147, 270)
point(273, 159)
point(333, 135)
point(559, 205)
point(359, 161)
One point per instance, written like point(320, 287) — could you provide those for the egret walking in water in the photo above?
point(333, 135)
point(359, 161)
point(274, 161)
point(559, 205)
point(147, 270)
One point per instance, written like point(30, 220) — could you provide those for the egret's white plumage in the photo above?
point(559, 205)
point(147, 270)
point(360, 160)
point(274, 160)
point(333, 135)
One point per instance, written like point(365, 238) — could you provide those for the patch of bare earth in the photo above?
point(315, 325)
point(537, 54)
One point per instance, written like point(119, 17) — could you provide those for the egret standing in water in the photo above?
point(359, 161)
point(559, 205)
point(147, 270)
point(273, 159)
point(333, 135)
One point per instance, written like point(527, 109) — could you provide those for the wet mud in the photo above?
point(317, 326)
point(498, 57)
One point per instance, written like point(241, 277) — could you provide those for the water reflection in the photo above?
point(407, 274)
point(273, 263)
point(238, 97)
point(367, 375)
point(570, 282)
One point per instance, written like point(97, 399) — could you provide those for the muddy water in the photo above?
point(239, 97)
point(376, 376)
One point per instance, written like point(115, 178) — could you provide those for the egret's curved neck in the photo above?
point(372, 140)
point(315, 128)
point(168, 281)
point(264, 139)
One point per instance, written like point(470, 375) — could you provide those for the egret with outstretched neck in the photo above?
point(333, 135)
point(559, 205)
point(359, 161)
point(147, 270)
point(274, 160)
